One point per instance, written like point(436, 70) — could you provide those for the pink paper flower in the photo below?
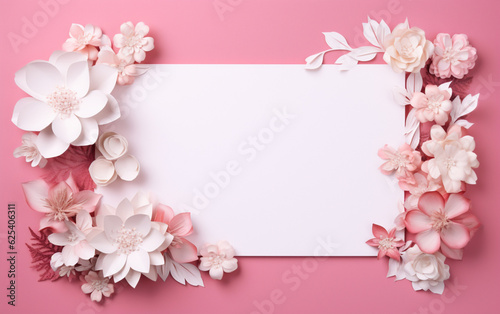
point(434, 105)
point(84, 39)
point(403, 162)
point(386, 242)
point(218, 259)
point(452, 56)
point(435, 222)
point(30, 150)
point(422, 185)
point(127, 70)
point(132, 41)
point(59, 202)
point(179, 226)
point(97, 286)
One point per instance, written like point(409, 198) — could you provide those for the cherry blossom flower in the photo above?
point(30, 151)
point(435, 222)
point(97, 286)
point(74, 239)
point(84, 39)
point(179, 226)
point(132, 41)
point(403, 162)
point(59, 202)
point(421, 185)
point(453, 56)
point(218, 259)
point(127, 70)
point(434, 105)
point(386, 242)
point(69, 100)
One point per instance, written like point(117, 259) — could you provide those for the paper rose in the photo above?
point(112, 145)
point(425, 271)
point(97, 286)
point(102, 171)
point(74, 241)
point(179, 226)
point(30, 151)
point(84, 39)
point(69, 100)
point(403, 161)
point(407, 49)
point(454, 159)
point(218, 259)
point(132, 41)
point(434, 221)
point(127, 167)
point(434, 105)
point(453, 56)
point(58, 202)
point(127, 70)
point(386, 242)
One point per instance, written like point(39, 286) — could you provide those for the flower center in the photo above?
point(449, 163)
point(62, 206)
point(439, 221)
point(73, 237)
point(450, 55)
point(84, 40)
point(435, 103)
point(128, 240)
point(216, 261)
point(100, 284)
point(63, 101)
point(134, 41)
point(398, 161)
point(386, 243)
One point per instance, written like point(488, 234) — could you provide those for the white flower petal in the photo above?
point(112, 226)
point(152, 241)
point(60, 239)
point(67, 129)
point(91, 104)
point(127, 167)
point(141, 223)
point(113, 263)
point(64, 60)
point(89, 134)
point(77, 78)
point(102, 172)
point(42, 78)
point(49, 145)
point(133, 278)
point(103, 77)
point(110, 113)
point(156, 258)
point(103, 244)
point(125, 210)
point(216, 272)
point(69, 256)
point(31, 114)
point(84, 250)
point(122, 273)
point(139, 261)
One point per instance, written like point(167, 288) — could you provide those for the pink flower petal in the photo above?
point(87, 199)
point(379, 231)
point(416, 221)
point(456, 236)
point(185, 253)
point(87, 288)
point(76, 30)
point(456, 205)
point(428, 241)
point(452, 253)
point(163, 213)
point(36, 194)
point(216, 273)
point(431, 202)
point(230, 265)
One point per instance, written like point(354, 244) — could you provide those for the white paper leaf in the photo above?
point(414, 138)
point(336, 41)
point(401, 96)
point(464, 107)
point(366, 53)
point(315, 61)
point(464, 123)
point(182, 273)
point(446, 87)
point(382, 32)
point(370, 31)
point(412, 130)
point(414, 84)
point(347, 62)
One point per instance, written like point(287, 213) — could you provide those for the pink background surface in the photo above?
point(261, 31)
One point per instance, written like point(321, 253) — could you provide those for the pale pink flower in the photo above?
point(435, 222)
point(180, 226)
point(403, 161)
point(84, 39)
point(59, 202)
point(97, 286)
point(132, 41)
point(386, 242)
point(452, 56)
point(218, 259)
point(434, 105)
point(30, 150)
point(422, 185)
point(472, 223)
point(127, 70)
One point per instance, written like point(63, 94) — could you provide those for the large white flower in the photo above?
point(69, 99)
point(129, 241)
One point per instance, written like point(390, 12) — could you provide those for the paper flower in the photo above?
point(97, 286)
point(218, 259)
point(112, 145)
point(453, 56)
point(434, 221)
point(102, 171)
point(425, 271)
point(59, 202)
point(74, 240)
point(454, 159)
point(84, 39)
point(386, 242)
point(68, 101)
point(132, 41)
point(127, 70)
point(434, 105)
point(403, 161)
point(179, 226)
point(30, 151)
point(406, 49)
point(421, 185)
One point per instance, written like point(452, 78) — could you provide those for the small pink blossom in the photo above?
point(132, 41)
point(30, 150)
point(386, 242)
point(421, 185)
point(452, 56)
point(97, 286)
point(403, 162)
point(218, 259)
point(84, 39)
point(434, 105)
point(59, 202)
point(435, 222)
point(127, 70)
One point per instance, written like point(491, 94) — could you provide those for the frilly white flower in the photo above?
point(112, 145)
point(218, 259)
point(97, 286)
point(102, 171)
point(29, 149)
point(132, 41)
point(69, 101)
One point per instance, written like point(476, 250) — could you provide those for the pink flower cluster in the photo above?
point(453, 56)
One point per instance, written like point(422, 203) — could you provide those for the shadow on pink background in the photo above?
point(259, 31)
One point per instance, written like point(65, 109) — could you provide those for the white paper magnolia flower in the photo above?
point(218, 259)
point(30, 150)
point(68, 101)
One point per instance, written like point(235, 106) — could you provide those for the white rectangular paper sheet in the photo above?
point(278, 160)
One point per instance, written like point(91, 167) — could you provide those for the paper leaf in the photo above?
point(336, 41)
point(464, 107)
point(414, 84)
point(382, 33)
point(366, 53)
point(401, 96)
point(412, 130)
point(41, 251)
point(182, 273)
point(315, 61)
point(376, 33)
point(347, 62)
point(464, 123)
point(446, 87)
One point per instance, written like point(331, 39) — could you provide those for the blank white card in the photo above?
point(275, 159)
